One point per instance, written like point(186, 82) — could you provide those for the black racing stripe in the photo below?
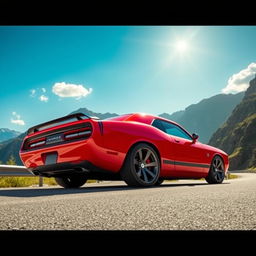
point(186, 164)
point(192, 164)
point(168, 162)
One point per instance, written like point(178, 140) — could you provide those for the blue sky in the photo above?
point(122, 69)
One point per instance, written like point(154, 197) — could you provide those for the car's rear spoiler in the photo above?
point(78, 116)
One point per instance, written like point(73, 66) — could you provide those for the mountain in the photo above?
point(206, 116)
point(91, 113)
point(11, 147)
point(237, 136)
point(6, 134)
point(176, 116)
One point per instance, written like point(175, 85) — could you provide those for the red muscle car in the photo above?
point(141, 149)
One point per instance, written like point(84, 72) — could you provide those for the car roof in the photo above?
point(139, 117)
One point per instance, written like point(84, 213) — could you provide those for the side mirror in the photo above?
point(195, 137)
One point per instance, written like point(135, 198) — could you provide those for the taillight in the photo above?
point(36, 143)
point(75, 134)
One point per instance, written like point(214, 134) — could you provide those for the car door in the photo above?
point(188, 154)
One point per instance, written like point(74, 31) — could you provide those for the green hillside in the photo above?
point(237, 136)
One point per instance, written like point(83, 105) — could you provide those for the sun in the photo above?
point(181, 46)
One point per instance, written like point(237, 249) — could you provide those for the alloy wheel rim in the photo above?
point(146, 165)
point(218, 169)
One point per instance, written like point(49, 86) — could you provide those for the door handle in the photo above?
point(177, 141)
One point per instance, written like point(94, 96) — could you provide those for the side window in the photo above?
point(158, 124)
point(170, 129)
point(175, 131)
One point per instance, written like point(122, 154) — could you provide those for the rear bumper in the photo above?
point(67, 168)
point(59, 168)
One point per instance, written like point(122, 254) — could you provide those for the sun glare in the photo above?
point(181, 46)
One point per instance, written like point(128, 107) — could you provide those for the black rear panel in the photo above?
point(58, 136)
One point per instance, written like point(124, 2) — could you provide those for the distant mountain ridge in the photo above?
point(237, 136)
point(206, 116)
point(6, 134)
point(91, 113)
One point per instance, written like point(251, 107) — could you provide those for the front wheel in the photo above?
point(216, 173)
point(142, 166)
point(71, 181)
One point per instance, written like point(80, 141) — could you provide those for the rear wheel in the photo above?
point(71, 181)
point(216, 173)
point(142, 166)
point(159, 182)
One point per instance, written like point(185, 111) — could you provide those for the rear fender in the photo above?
point(120, 137)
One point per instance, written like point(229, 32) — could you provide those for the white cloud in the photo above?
point(32, 92)
point(15, 115)
point(70, 90)
point(17, 119)
point(239, 82)
point(18, 122)
point(43, 98)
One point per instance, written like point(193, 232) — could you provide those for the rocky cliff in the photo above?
point(237, 136)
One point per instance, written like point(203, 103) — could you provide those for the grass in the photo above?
point(246, 121)
point(6, 182)
point(252, 169)
point(231, 176)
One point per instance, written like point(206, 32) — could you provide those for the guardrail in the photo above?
point(14, 170)
point(17, 171)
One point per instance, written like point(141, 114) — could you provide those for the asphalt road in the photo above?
point(181, 205)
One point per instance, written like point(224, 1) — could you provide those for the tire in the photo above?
point(141, 167)
point(159, 182)
point(216, 173)
point(71, 181)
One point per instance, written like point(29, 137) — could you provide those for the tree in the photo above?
point(11, 161)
